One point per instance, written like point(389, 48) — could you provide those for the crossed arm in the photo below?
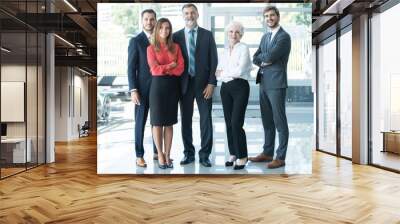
point(281, 47)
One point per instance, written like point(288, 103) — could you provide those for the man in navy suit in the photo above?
point(139, 78)
point(272, 58)
point(197, 82)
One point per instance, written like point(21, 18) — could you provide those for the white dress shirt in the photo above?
point(235, 64)
point(148, 35)
point(274, 31)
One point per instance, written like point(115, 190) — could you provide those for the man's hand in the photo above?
point(208, 91)
point(135, 97)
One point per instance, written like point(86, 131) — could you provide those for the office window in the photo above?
point(327, 96)
point(22, 76)
point(385, 87)
point(346, 94)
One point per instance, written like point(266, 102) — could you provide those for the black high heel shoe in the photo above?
point(162, 166)
point(228, 163)
point(240, 167)
point(169, 164)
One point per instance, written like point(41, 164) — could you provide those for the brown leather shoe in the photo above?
point(140, 162)
point(276, 164)
point(261, 158)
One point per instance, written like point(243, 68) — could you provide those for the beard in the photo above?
point(190, 22)
point(148, 28)
point(272, 24)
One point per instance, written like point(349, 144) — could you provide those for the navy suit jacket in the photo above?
point(139, 75)
point(206, 59)
point(276, 52)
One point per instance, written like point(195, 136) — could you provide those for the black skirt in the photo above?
point(163, 100)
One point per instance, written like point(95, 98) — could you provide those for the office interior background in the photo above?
point(48, 92)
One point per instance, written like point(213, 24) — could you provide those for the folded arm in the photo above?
point(155, 68)
point(282, 46)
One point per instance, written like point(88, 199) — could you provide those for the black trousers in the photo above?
point(206, 129)
point(141, 113)
point(273, 114)
point(235, 97)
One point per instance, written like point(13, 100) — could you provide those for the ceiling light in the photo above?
point(70, 5)
point(64, 40)
point(338, 6)
point(5, 50)
point(84, 71)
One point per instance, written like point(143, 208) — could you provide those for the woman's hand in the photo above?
point(172, 65)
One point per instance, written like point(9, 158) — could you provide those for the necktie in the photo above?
point(192, 51)
point(269, 37)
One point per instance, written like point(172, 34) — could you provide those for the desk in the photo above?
point(391, 141)
point(16, 147)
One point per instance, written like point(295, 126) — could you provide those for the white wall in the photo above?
point(71, 94)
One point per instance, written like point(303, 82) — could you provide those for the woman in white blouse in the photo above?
point(233, 70)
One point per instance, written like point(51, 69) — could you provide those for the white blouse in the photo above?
point(235, 64)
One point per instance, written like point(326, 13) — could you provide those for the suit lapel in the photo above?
point(199, 37)
point(144, 39)
point(264, 43)
point(273, 41)
point(182, 40)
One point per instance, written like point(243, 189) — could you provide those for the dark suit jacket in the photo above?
point(139, 75)
point(206, 59)
point(276, 52)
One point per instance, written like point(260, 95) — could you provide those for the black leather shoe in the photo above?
point(228, 163)
point(187, 160)
point(205, 162)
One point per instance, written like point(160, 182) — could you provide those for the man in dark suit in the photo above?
point(139, 78)
point(272, 58)
point(197, 82)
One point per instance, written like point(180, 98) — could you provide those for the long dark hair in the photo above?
point(156, 38)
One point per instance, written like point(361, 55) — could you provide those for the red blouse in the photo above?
point(160, 62)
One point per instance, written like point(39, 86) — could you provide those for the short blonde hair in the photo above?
point(235, 24)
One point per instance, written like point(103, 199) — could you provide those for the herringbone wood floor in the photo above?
point(70, 191)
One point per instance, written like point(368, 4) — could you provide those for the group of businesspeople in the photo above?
point(167, 69)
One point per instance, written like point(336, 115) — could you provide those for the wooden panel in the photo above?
point(392, 142)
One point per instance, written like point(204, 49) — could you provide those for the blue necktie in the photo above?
point(269, 38)
point(269, 35)
point(192, 51)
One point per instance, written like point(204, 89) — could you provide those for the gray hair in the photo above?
point(235, 24)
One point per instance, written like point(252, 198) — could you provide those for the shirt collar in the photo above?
point(148, 35)
point(275, 30)
point(234, 46)
point(195, 29)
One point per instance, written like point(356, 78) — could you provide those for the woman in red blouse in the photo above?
point(166, 66)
